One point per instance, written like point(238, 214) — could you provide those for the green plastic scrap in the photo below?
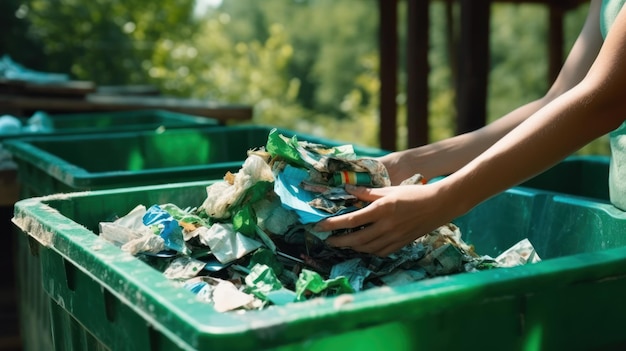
point(244, 221)
point(183, 215)
point(268, 258)
point(261, 281)
point(277, 145)
point(310, 282)
point(293, 152)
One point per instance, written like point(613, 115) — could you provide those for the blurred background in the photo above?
point(307, 65)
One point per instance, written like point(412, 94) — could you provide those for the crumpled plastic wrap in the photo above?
point(39, 122)
point(221, 196)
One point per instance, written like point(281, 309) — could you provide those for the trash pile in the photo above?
point(251, 243)
point(38, 122)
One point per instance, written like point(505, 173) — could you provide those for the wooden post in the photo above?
point(417, 72)
point(555, 41)
point(473, 65)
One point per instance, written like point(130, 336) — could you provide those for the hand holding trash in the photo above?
point(391, 221)
point(401, 165)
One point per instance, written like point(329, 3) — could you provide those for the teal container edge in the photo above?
point(114, 121)
point(579, 175)
point(122, 303)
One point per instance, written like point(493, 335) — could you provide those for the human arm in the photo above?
point(591, 108)
point(447, 156)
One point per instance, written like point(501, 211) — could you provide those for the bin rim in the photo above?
point(171, 120)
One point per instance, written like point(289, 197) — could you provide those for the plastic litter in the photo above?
point(39, 122)
point(250, 244)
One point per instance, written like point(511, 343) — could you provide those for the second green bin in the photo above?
point(114, 121)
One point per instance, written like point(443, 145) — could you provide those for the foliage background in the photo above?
point(308, 65)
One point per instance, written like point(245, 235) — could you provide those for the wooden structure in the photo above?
point(472, 63)
point(27, 105)
point(20, 98)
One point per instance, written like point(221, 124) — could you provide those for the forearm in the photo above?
point(447, 156)
point(554, 132)
point(590, 109)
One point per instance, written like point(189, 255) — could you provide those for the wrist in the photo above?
point(456, 197)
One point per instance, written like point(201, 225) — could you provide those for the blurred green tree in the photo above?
point(106, 41)
point(15, 40)
point(309, 65)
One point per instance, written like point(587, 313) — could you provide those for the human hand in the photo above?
point(396, 216)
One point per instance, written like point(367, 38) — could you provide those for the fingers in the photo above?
point(354, 240)
point(369, 214)
point(368, 194)
point(366, 240)
point(377, 235)
point(350, 220)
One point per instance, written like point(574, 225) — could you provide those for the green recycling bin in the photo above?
point(103, 298)
point(64, 125)
point(69, 163)
point(83, 124)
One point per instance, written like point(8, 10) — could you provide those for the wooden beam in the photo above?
point(388, 46)
point(470, 65)
point(555, 41)
point(473, 65)
point(417, 72)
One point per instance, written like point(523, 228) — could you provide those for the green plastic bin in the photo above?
point(586, 176)
point(103, 298)
point(63, 125)
point(48, 165)
point(90, 123)
point(55, 164)
point(96, 123)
